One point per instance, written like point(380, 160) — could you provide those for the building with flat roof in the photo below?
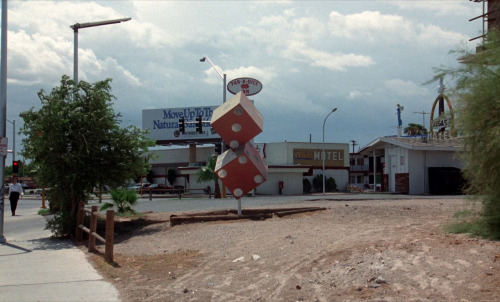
point(417, 165)
point(289, 163)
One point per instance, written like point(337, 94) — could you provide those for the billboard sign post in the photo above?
point(164, 125)
point(248, 86)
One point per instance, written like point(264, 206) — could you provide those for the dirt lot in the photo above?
point(383, 250)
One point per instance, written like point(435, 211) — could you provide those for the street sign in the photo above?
point(3, 146)
point(248, 86)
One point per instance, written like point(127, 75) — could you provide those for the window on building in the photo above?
point(360, 179)
point(352, 179)
point(361, 161)
point(352, 161)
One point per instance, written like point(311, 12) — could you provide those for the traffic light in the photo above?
point(199, 125)
point(218, 148)
point(182, 125)
point(15, 167)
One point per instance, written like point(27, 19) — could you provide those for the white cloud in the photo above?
point(354, 95)
point(37, 58)
point(334, 61)
point(439, 8)
point(375, 27)
point(405, 88)
point(307, 54)
point(294, 39)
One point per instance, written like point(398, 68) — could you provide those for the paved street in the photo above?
point(203, 203)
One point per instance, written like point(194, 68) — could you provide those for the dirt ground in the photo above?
point(377, 250)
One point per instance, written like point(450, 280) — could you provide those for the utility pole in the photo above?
point(3, 111)
point(423, 113)
point(353, 145)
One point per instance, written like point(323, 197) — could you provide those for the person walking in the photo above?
point(15, 192)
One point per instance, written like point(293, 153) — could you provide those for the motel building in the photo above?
point(427, 164)
point(289, 163)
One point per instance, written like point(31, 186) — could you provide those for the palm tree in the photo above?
point(207, 173)
point(415, 129)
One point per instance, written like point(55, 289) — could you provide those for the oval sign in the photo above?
point(249, 86)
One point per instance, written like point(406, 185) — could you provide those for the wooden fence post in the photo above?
point(110, 231)
point(79, 221)
point(93, 228)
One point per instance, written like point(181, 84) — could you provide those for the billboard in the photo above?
point(163, 124)
point(309, 157)
point(249, 86)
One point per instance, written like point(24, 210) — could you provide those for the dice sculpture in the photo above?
point(240, 168)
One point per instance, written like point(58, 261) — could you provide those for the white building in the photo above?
point(417, 165)
point(289, 163)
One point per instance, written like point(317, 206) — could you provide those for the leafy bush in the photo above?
point(306, 186)
point(469, 221)
point(61, 223)
point(318, 183)
point(123, 200)
point(330, 184)
point(478, 122)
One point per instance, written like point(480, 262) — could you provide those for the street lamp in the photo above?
point(3, 108)
point(223, 76)
point(323, 154)
point(75, 28)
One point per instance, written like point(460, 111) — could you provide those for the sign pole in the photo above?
point(3, 112)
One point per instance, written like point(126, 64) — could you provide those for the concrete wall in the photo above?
point(292, 183)
point(420, 161)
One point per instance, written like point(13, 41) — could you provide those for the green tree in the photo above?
point(415, 129)
point(207, 173)
point(76, 144)
point(478, 90)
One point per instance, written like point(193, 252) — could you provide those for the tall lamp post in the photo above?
point(323, 155)
point(75, 28)
point(223, 76)
point(3, 109)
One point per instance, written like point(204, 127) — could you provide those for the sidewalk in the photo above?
point(34, 267)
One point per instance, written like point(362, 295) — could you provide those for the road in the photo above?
point(171, 203)
point(203, 203)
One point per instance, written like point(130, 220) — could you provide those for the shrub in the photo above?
point(318, 183)
point(330, 184)
point(123, 200)
point(306, 186)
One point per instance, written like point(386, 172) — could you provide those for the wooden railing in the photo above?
point(91, 230)
point(155, 193)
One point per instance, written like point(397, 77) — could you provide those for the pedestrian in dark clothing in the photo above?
point(15, 192)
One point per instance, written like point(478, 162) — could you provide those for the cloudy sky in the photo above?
point(363, 57)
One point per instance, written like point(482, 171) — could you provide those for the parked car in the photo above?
point(159, 189)
point(134, 188)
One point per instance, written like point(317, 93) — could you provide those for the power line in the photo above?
point(423, 113)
